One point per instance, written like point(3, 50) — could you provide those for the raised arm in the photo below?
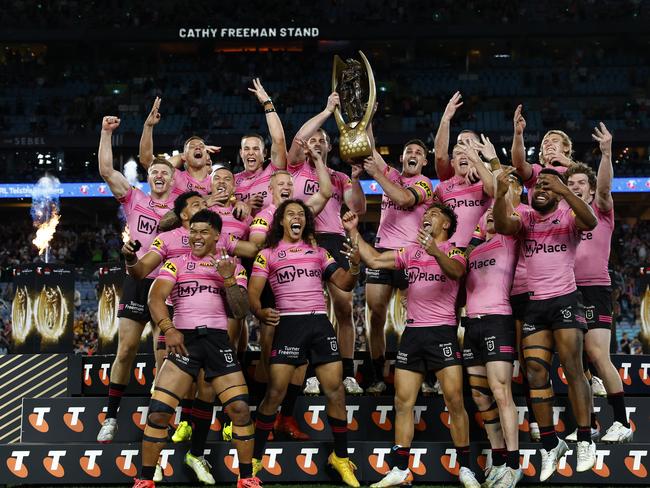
point(369, 255)
point(318, 200)
point(518, 150)
point(115, 180)
point(505, 222)
point(278, 141)
point(585, 217)
point(353, 196)
point(441, 141)
point(453, 268)
point(484, 174)
point(139, 268)
point(146, 139)
point(311, 126)
point(605, 176)
point(377, 168)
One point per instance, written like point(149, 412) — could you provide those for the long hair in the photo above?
point(276, 232)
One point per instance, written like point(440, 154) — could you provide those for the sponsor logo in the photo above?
point(624, 372)
point(380, 417)
point(482, 264)
point(157, 243)
point(88, 381)
point(377, 459)
point(454, 252)
point(147, 225)
point(531, 246)
point(449, 462)
point(71, 419)
point(288, 274)
point(37, 419)
point(352, 422)
point(260, 261)
point(88, 462)
point(557, 421)
point(453, 203)
point(600, 468)
point(305, 460)
point(561, 375)
point(643, 373)
point(311, 187)
point(165, 464)
point(191, 266)
point(270, 461)
point(490, 345)
point(185, 240)
point(628, 412)
point(521, 418)
point(139, 417)
point(52, 463)
point(415, 275)
point(524, 461)
point(16, 464)
point(191, 288)
point(215, 424)
point(633, 463)
point(445, 419)
point(138, 373)
point(426, 187)
point(312, 417)
point(420, 424)
point(124, 462)
point(259, 221)
point(563, 467)
point(170, 267)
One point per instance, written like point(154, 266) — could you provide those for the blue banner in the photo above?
point(370, 187)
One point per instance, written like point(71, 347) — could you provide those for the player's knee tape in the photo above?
point(479, 383)
point(491, 415)
point(163, 401)
point(233, 394)
point(243, 432)
point(542, 356)
point(154, 432)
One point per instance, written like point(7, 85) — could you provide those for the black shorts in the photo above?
point(302, 338)
point(489, 338)
point(424, 349)
point(396, 278)
point(597, 302)
point(334, 245)
point(519, 303)
point(209, 350)
point(564, 312)
point(133, 304)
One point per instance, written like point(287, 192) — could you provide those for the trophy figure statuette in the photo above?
point(355, 84)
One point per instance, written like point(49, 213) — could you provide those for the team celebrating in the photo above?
point(523, 280)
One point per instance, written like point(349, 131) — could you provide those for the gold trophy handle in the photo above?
point(372, 92)
point(338, 66)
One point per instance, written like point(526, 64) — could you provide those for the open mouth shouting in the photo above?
point(285, 194)
point(412, 163)
point(198, 153)
point(221, 190)
point(159, 184)
point(198, 244)
point(427, 226)
point(295, 229)
point(541, 197)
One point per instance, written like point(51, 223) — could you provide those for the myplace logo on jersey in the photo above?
point(415, 275)
point(311, 187)
point(191, 288)
point(453, 203)
point(147, 225)
point(288, 274)
point(16, 464)
point(482, 263)
point(531, 247)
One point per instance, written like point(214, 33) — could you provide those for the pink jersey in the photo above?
point(398, 226)
point(489, 279)
point(248, 184)
point(592, 258)
point(550, 243)
point(183, 182)
point(305, 184)
point(262, 221)
point(296, 272)
point(232, 228)
point(520, 282)
point(142, 216)
point(469, 202)
point(198, 296)
point(431, 295)
point(176, 242)
point(537, 169)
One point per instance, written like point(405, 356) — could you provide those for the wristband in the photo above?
point(230, 281)
point(267, 101)
point(131, 265)
point(269, 110)
point(355, 269)
point(165, 324)
point(495, 164)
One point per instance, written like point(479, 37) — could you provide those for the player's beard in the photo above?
point(545, 207)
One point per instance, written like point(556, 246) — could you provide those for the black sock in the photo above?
point(584, 433)
point(186, 409)
point(201, 418)
point(594, 420)
point(263, 426)
point(549, 437)
point(115, 393)
point(289, 402)
point(147, 472)
point(245, 470)
point(617, 401)
point(378, 368)
point(462, 455)
point(512, 459)
point(498, 456)
point(348, 367)
point(400, 456)
point(340, 432)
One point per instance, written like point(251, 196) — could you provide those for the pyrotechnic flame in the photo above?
point(131, 173)
point(45, 232)
point(126, 234)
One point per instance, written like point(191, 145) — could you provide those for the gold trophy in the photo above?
point(355, 84)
